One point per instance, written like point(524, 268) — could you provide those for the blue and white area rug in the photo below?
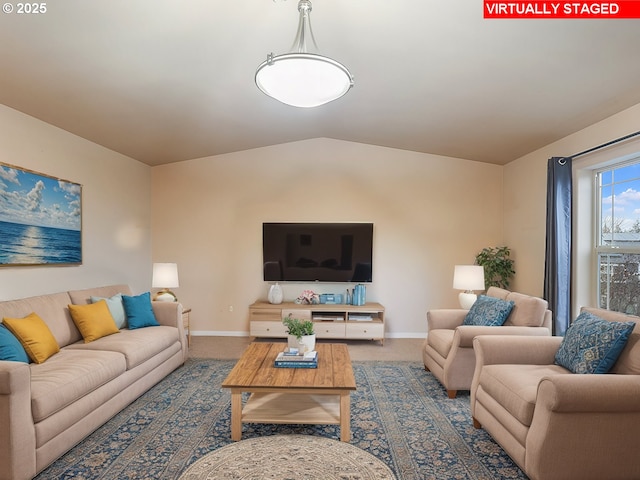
point(399, 413)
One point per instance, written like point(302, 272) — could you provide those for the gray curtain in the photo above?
point(557, 271)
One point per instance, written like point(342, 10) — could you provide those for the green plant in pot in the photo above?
point(301, 334)
point(498, 266)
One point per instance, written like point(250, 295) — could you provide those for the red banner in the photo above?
point(584, 10)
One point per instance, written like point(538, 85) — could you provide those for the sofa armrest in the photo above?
point(17, 435)
point(515, 349)
point(170, 314)
point(468, 332)
point(445, 318)
point(590, 393)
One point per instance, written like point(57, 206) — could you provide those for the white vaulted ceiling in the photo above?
point(166, 81)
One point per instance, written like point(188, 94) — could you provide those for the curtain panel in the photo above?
point(557, 271)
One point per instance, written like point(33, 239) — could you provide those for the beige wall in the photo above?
point(115, 202)
point(525, 202)
point(429, 213)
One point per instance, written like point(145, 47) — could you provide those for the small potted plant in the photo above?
point(301, 334)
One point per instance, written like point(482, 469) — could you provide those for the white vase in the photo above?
point(307, 343)
point(275, 294)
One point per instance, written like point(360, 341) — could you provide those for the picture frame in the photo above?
point(40, 218)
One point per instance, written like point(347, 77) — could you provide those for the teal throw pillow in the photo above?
point(10, 347)
point(488, 311)
point(139, 311)
point(592, 345)
point(116, 308)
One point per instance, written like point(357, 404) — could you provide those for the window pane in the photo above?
point(619, 207)
point(619, 282)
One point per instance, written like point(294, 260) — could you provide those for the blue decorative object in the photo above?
point(139, 311)
point(10, 347)
point(592, 345)
point(488, 311)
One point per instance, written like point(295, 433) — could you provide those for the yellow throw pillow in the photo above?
point(93, 320)
point(34, 335)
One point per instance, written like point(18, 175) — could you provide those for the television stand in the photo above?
point(349, 322)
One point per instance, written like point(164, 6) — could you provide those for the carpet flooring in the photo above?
point(399, 413)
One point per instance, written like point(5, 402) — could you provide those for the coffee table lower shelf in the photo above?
point(303, 408)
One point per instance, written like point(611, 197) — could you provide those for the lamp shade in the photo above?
point(468, 277)
point(165, 275)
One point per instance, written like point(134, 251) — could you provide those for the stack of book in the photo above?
point(295, 360)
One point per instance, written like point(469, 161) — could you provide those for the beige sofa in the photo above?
point(47, 408)
point(448, 349)
point(557, 425)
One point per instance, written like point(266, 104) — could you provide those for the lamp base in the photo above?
point(165, 296)
point(467, 299)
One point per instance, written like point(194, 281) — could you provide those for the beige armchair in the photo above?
point(448, 349)
point(558, 425)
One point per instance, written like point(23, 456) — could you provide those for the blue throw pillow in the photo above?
point(10, 347)
point(139, 311)
point(488, 311)
point(116, 308)
point(592, 345)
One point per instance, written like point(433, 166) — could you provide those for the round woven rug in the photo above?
point(295, 457)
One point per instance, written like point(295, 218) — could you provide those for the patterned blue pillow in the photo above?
point(10, 347)
point(488, 311)
point(592, 345)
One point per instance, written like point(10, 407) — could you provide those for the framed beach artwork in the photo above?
point(40, 219)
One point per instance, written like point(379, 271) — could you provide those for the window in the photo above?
point(618, 237)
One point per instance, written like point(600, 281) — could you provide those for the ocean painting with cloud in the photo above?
point(40, 219)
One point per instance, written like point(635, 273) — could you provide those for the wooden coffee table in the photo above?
point(310, 396)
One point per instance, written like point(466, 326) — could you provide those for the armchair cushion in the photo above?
point(592, 345)
point(515, 387)
point(527, 311)
point(488, 311)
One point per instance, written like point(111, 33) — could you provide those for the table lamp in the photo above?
point(165, 276)
point(468, 278)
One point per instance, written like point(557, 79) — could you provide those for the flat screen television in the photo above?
point(317, 252)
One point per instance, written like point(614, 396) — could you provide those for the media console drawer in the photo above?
point(364, 330)
point(267, 329)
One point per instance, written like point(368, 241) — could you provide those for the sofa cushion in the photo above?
point(52, 308)
point(441, 340)
point(10, 347)
point(592, 345)
point(488, 311)
point(515, 387)
point(527, 311)
point(137, 345)
point(70, 375)
point(34, 335)
point(94, 320)
point(83, 297)
point(139, 311)
point(116, 307)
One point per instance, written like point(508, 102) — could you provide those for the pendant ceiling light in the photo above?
point(302, 78)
